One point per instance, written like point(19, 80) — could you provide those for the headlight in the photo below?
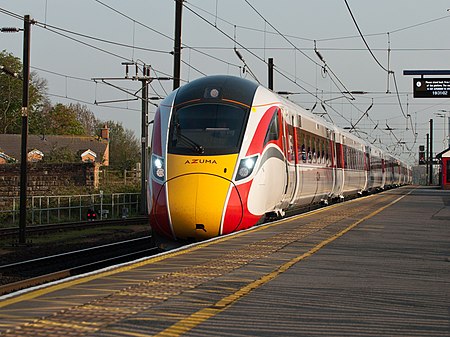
point(246, 166)
point(158, 170)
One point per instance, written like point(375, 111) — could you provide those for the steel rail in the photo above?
point(135, 248)
point(11, 231)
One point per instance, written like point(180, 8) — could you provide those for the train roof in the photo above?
point(218, 87)
point(241, 90)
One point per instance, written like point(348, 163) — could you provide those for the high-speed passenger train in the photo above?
point(227, 152)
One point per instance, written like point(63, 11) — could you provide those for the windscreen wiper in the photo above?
point(197, 147)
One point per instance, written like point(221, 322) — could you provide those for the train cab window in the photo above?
point(273, 132)
point(207, 129)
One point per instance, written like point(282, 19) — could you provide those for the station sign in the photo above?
point(431, 87)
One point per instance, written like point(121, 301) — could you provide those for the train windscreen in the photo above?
point(207, 128)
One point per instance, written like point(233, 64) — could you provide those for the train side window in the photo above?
point(346, 161)
point(316, 150)
point(322, 151)
point(273, 131)
point(328, 151)
point(301, 146)
point(351, 158)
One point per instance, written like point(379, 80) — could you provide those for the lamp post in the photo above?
point(446, 115)
point(24, 133)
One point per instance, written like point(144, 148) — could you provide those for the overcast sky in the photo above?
point(75, 41)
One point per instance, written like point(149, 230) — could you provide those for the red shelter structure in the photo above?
point(444, 177)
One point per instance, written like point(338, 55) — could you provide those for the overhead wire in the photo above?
point(244, 27)
point(92, 104)
point(329, 39)
point(325, 66)
point(197, 49)
point(277, 69)
point(131, 19)
point(63, 32)
point(243, 47)
point(324, 48)
point(258, 57)
point(187, 6)
point(102, 40)
point(364, 39)
point(161, 34)
point(375, 58)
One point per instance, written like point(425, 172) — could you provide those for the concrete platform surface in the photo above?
point(375, 266)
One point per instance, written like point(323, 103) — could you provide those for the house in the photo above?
point(88, 156)
point(34, 156)
point(86, 148)
point(4, 158)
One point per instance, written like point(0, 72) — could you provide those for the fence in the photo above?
point(71, 208)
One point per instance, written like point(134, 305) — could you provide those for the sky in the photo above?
point(74, 42)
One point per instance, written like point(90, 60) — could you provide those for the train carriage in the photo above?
point(375, 164)
point(227, 152)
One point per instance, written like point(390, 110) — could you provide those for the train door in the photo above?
point(383, 171)
point(290, 154)
point(296, 122)
point(331, 159)
point(340, 177)
point(367, 170)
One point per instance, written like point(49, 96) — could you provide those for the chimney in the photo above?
point(104, 133)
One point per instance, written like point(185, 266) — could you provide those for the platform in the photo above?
point(374, 266)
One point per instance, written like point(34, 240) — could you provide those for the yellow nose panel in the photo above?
point(196, 203)
point(197, 192)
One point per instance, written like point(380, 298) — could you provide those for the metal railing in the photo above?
point(71, 208)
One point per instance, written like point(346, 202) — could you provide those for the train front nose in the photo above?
point(197, 192)
point(196, 205)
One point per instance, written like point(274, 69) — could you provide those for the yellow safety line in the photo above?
point(202, 315)
point(43, 291)
point(129, 333)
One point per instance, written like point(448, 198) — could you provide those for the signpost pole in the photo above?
point(431, 152)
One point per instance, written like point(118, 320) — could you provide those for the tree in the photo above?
point(72, 119)
point(86, 118)
point(11, 95)
point(61, 120)
point(124, 148)
point(61, 155)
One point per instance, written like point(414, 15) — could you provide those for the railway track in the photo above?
point(33, 272)
point(39, 229)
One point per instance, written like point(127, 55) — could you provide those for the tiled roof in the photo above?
point(445, 153)
point(10, 144)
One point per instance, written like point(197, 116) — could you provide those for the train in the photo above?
point(228, 153)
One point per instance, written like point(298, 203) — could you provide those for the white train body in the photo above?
point(226, 152)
